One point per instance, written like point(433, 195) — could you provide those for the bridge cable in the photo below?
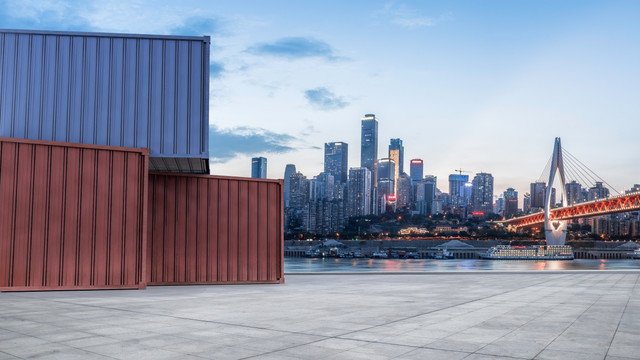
point(590, 179)
point(587, 182)
point(545, 172)
point(577, 174)
point(584, 167)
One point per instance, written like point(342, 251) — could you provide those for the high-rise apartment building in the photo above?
point(635, 188)
point(359, 193)
point(426, 194)
point(598, 192)
point(336, 155)
point(510, 203)
point(499, 205)
point(526, 203)
point(369, 144)
point(299, 190)
point(574, 193)
point(482, 194)
point(538, 195)
point(259, 167)
point(321, 187)
point(403, 190)
point(296, 215)
point(289, 170)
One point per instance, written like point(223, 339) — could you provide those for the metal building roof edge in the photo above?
point(204, 38)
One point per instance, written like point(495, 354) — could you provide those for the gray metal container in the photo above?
point(126, 90)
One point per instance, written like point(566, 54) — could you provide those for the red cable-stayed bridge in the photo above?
point(555, 220)
point(612, 205)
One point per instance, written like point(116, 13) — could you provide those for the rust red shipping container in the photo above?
point(75, 217)
point(208, 229)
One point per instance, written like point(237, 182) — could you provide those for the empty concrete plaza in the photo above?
point(480, 315)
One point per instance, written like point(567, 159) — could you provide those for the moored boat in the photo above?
point(535, 252)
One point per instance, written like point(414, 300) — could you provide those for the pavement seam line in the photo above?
point(341, 336)
point(573, 322)
point(512, 331)
point(621, 317)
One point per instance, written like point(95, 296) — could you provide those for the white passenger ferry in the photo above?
point(535, 252)
point(636, 254)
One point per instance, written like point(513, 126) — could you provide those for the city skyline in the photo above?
point(484, 87)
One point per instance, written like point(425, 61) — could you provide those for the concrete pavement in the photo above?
point(480, 315)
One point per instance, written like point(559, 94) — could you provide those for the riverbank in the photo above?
point(459, 249)
point(337, 265)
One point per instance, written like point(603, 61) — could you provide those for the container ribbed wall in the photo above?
point(71, 216)
point(212, 229)
point(109, 89)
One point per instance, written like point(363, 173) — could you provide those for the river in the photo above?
point(302, 265)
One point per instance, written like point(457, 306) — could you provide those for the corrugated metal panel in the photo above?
point(109, 89)
point(213, 229)
point(71, 216)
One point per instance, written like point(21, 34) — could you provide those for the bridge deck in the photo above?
point(612, 205)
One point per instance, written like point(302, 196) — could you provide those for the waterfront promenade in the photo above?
point(479, 315)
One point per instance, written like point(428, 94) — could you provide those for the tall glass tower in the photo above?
point(369, 143)
point(386, 172)
point(458, 190)
point(336, 155)
point(416, 170)
point(289, 170)
point(396, 152)
point(259, 167)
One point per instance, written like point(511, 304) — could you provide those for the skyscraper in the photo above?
point(510, 203)
point(289, 170)
point(482, 194)
point(259, 167)
point(416, 170)
point(386, 173)
point(359, 191)
point(369, 143)
point(321, 187)
point(396, 153)
point(458, 191)
point(403, 190)
point(336, 156)
point(298, 212)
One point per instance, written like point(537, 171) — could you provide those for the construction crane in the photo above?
point(461, 171)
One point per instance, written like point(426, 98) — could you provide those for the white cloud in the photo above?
point(408, 17)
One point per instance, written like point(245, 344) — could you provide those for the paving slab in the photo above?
point(473, 316)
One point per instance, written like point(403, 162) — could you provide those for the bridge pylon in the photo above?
point(555, 230)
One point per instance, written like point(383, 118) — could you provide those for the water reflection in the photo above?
point(292, 265)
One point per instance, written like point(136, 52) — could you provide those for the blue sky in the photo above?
point(477, 85)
